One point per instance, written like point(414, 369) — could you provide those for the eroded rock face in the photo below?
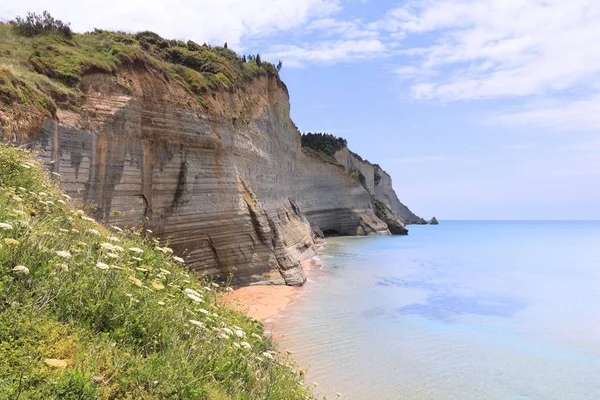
point(378, 183)
point(392, 220)
point(227, 185)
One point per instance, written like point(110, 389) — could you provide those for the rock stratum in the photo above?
point(224, 180)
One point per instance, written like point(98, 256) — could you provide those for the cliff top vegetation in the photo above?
point(42, 62)
point(89, 312)
point(324, 142)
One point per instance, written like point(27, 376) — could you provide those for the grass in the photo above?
point(53, 64)
point(88, 311)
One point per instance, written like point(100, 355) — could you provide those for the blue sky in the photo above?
point(478, 109)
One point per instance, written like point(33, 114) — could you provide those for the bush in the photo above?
point(324, 142)
point(35, 24)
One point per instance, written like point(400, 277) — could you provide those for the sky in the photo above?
point(485, 109)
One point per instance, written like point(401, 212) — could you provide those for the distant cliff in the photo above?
point(195, 143)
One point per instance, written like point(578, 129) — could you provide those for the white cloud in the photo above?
point(502, 48)
point(199, 20)
point(578, 114)
point(327, 52)
point(352, 29)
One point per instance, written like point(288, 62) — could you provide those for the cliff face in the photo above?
point(227, 184)
point(378, 183)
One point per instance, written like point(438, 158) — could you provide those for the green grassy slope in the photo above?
point(45, 69)
point(90, 312)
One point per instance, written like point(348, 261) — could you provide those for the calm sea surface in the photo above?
point(463, 310)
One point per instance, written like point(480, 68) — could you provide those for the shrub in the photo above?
point(324, 142)
point(35, 24)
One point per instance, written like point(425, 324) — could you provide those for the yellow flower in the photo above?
point(157, 285)
point(53, 362)
point(11, 242)
point(136, 281)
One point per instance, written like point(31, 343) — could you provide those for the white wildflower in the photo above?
point(21, 269)
point(43, 194)
point(203, 311)
point(85, 218)
point(267, 355)
point(161, 303)
point(216, 285)
point(240, 333)
point(113, 239)
point(63, 230)
point(112, 255)
point(148, 230)
point(254, 335)
point(229, 289)
point(5, 226)
point(222, 336)
point(197, 323)
point(61, 202)
point(136, 250)
point(195, 298)
point(246, 345)
point(116, 228)
point(178, 259)
point(141, 269)
point(102, 265)
point(94, 232)
point(164, 250)
point(107, 246)
point(164, 271)
point(228, 331)
point(63, 254)
point(136, 259)
point(236, 344)
point(192, 291)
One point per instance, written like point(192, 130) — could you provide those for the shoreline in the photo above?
point(265, 302)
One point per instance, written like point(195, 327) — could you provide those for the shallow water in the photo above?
point(463, 310)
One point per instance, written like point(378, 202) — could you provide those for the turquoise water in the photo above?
point(463, 310)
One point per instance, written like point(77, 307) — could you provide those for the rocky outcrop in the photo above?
point(433, 221)
point(377, 182)
point(392, 219)
point(226, 184)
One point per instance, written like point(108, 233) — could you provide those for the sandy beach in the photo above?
point(265, 302)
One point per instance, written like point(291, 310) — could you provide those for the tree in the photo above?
point(36, 24)
point(244, 58)
point(258, 60)
point(225, 45)
point(279, 65)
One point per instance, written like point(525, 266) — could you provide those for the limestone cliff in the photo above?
point(377, 182)
point(217, 173)
point(236, 195)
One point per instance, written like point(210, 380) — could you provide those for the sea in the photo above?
point(466, 310)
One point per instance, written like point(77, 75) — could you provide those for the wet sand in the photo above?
point(266, 302)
